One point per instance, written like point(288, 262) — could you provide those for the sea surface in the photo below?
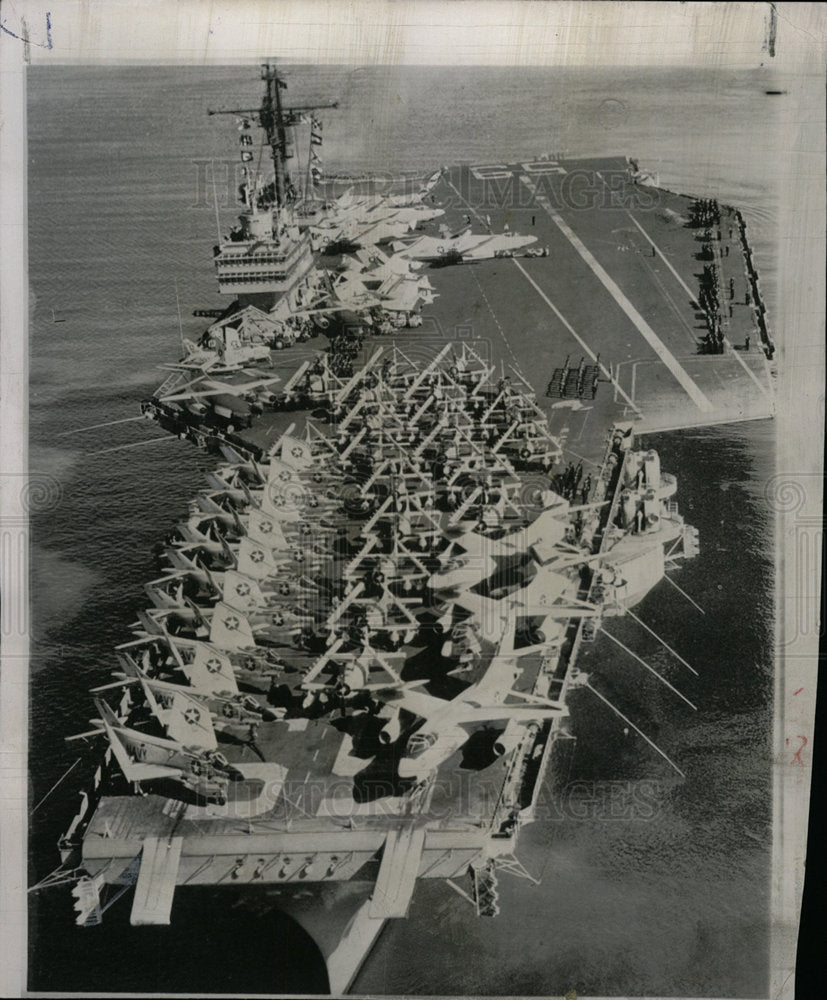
point(649, 885)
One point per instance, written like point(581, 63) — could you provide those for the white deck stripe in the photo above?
point(646, 331)
point(693, 297)
point(575, 334)
point(556, 312)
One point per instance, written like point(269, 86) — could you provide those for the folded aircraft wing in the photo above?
point(132, 770)
point(230, 629)
point(210, 671)
point(185, 719)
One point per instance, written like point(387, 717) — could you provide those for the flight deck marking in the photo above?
point(555, 310)
point(583, 427)
point(654, 274)
point(497, 322)
point(571, 451)
point(692, 296)
point(576, 335)
point(646, 331)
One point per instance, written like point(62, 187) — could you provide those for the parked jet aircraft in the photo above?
point(445, 722)
point(463, 247)
point(143, 757)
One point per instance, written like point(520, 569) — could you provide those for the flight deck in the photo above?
point(431, 406)
point(613, 282)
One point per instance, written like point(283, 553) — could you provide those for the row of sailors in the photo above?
point(705, 212)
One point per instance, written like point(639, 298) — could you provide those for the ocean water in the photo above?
point(670, 900)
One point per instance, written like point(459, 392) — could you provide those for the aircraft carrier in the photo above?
point(428, 398)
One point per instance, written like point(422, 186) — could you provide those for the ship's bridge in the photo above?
point(269, 263)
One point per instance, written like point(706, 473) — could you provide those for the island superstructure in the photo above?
point(357, 658)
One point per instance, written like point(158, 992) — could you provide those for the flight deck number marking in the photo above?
point(501, 171)
point(543, 167)
point(490, 172)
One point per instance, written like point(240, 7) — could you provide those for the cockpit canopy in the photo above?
point(418, 743)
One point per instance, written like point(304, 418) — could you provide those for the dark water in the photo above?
point(673, 902)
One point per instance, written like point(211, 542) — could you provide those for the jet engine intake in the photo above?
point(390, 732)
point(510, 737)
